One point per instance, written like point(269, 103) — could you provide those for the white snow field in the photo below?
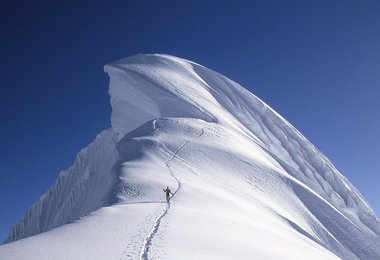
point(246, 183)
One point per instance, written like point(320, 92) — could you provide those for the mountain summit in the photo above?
point(246, 184)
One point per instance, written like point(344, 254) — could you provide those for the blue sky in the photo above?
point(316, 62)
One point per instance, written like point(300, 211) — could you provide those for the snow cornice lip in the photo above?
point(142, 58)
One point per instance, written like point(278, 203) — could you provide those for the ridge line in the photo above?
point(148, 239)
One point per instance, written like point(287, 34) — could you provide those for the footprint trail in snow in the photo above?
point(148, 240)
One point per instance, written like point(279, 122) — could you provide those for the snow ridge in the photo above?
point(184, 84)
point(248, 179)
point(148, 240)
point(72, 196)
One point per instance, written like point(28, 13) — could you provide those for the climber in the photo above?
point(167, 192)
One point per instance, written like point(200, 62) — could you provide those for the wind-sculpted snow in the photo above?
point(164, 86)
point(245, 180)
point(81, 189)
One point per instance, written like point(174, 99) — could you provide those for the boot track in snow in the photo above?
point(148, 239)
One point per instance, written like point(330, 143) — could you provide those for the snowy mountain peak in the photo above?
point(242, 178)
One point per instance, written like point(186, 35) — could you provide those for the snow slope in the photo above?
point(246, 184)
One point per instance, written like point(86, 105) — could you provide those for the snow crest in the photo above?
point(154, 86)
point(248, 181)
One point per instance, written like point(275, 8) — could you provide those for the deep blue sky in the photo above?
point(316, 62)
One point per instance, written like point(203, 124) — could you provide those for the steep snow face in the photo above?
point(145, 87)
point(244, 180)
point(154, 86)
point(84, 187)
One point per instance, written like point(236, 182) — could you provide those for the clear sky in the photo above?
point(316, 62)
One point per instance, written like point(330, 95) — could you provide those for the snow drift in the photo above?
point(246, 183)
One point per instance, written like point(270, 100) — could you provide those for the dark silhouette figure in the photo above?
point(167, 192)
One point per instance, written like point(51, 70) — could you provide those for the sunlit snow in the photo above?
point(246, 183)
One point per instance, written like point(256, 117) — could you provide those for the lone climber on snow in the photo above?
point(167, 192)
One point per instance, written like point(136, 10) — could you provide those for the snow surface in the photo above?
point(246, 183)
